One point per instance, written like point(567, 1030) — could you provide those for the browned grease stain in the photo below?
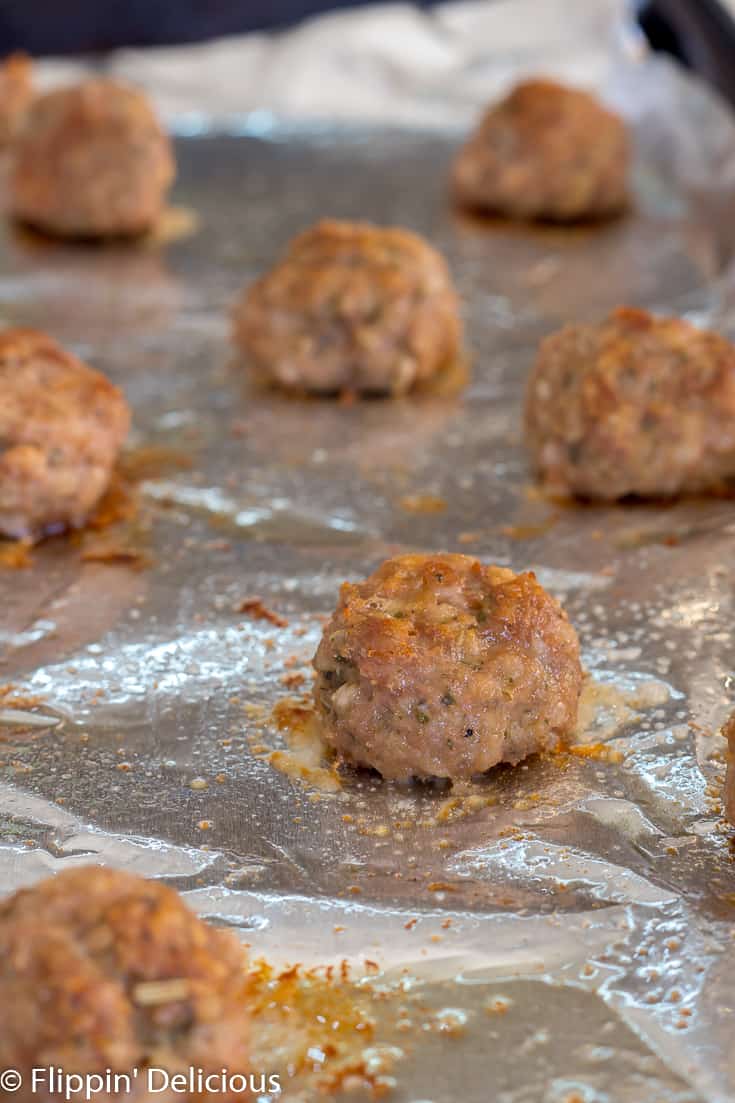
point(13, 730)
point(118, 503)
point(422, 503)
point(306, 757)
point(9, 699)
point(15, 555)
point(114, 534)
point(317, 1029)
point(326, 1033)
point(151, 461)
point(642, 538)
point(450, 380)
point(605, 710)
point(112, 554)
point(530, 531)
point(175, 224)
point(465, 801)
point(600, 752)
point(118, 514)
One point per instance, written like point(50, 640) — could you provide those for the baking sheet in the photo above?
point(595, 894)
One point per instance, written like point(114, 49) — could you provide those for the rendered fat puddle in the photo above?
point(605, 710)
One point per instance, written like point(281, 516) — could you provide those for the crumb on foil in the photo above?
point(255, 608)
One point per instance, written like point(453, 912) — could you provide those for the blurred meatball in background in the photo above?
point(635, 405)
point(352, 307)
point(62, 425)
point(545, 152)
point(91, 161)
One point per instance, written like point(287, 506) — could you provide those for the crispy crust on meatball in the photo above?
point(16, 92)
point(352, 307)
point(729, 795)
point(439, 666)
point(103, 970)
point(635, 405)
point(62, 425)
point(91, 161)
point(545, 152)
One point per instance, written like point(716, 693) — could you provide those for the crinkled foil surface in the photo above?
point(596, 894)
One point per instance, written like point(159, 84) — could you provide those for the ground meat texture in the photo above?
point(636, 405)
point(729, 795)
point(91, 161)
point(352, 307)
point(62, 425)
point(545, 152)
point(439, 666)
point(103, 970)
point(16, 91)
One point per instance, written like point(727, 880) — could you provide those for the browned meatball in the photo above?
point(103, 970)
point(16, 91)
point(438, 666)
point(352, 307)
point(729, 732)
point(91, 161)
point(636, 405)
point(62, 425)
point(545, 152)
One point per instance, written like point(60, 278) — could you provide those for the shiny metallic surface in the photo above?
point(594, 892)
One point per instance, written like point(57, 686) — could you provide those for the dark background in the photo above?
point(72, 26)
point(699, 32)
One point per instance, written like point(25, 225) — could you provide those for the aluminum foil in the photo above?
point(593, 892)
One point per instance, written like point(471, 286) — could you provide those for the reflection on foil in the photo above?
point(277, 521)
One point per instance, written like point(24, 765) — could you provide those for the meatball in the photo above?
point(16, 92)
point(729, 732)
point(352, 307)
point(545, 152)
point(92, 161)
point(62, 425)
point(103, 970)
point(636, 405)
point(439, 666)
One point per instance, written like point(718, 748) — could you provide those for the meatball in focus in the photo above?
point(16, 92)
point(439, 666)
point(636, 405)
point(729, 795)
point(103, 970)
point(62, 425)
point(92, 161)
point(352, 307)
point(545, 152)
